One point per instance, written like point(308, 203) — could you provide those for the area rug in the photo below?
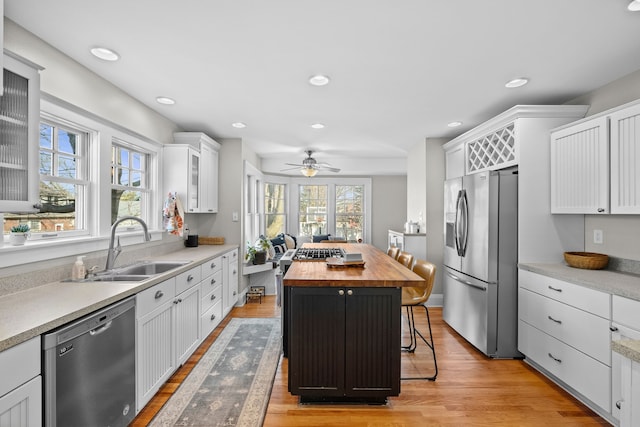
point(231, 384)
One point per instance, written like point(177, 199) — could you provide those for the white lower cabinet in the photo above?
point(168, 331)
point(625, 374)
point(21, 385)
point(230, 274)
point(211, 291)
point(564, 329)
point(629, 411)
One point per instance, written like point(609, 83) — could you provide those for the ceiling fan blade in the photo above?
point(290, 169)
point(294, 164)
point(331, 169)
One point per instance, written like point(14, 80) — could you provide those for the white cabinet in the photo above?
point(21, 385)
point(182, 175)
point(629, 412)
point(230, 273)
point(416, 244)
point(454, 162)
point(202, 172)
point(564, 329)
point(19, 120)
point(168, 330)
point(625, 160)
point(625, 324)
point(580, 168)
point(212, 299)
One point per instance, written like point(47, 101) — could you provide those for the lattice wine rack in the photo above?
point(493, 151)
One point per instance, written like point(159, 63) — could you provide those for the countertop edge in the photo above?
point(614, 282)
point(628, 348)
point(12, 305)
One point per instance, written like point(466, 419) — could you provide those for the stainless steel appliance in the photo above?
point(89, 369)
point(480, 260)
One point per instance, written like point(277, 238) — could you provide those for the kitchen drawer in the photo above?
point(153, 297)
point(579, 329)
point(211, 282)
point(19, 364)
point(584, 374)
point(212, 266)
point(626, 311)
point(210, 319)
point(211, 298)
point(188, 279)
point(586, 299)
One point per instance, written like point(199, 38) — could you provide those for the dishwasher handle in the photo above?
point(100, 329)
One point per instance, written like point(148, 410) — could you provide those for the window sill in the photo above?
point(251, 268)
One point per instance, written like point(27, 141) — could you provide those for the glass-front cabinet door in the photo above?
point(19, 117)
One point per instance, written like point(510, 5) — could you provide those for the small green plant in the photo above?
point(251, 252)
point(22, 228)
point(261, 245)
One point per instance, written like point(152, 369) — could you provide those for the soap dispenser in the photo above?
point(78, 271)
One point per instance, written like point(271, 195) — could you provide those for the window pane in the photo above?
point(136, 179)
point(313, 210)
point(46, 163)
point(66, 167)
point(128, 170)
point(46, 139)
point(274, 206)
point(136, 161)
point(67, 142)
point(349, 211)
point(123, 157)
point(126, 203)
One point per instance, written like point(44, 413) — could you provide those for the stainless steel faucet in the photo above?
point(113, 252)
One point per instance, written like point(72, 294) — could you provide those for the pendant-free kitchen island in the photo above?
point(343, 327)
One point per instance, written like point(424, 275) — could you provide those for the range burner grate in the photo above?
point(311, 254)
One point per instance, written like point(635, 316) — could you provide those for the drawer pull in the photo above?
point(559, 322)
point(213, 317)
point(213, 297)
point(213, 265)
point(619, 404)
point(555, 289)
point(213, 281)
point(189, 278)
point(234, 293)
point(613, 328)
point(159, 294)
point(557, 360)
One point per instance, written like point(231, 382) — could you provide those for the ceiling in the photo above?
point(400, 71)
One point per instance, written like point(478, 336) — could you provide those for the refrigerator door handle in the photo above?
point(458, 224)
point(464, 206)
point(466, 282)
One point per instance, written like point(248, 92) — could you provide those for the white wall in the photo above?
point(388, 202)
point(621, 232)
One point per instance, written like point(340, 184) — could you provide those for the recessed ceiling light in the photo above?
point(165, 100)
point(105, 54)
point(634, 6)
point(239, 125)
point(319, 80)
point(454, 124)
point(520, 81)
point(317, 126)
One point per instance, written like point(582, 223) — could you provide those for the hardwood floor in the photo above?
point(471, 389)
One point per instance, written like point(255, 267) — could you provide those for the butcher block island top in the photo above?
point(379, 270)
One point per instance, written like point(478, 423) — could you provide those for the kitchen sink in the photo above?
point(112, 278)
point(149, 268)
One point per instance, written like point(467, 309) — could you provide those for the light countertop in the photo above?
point(614, 282)
point(26, 314)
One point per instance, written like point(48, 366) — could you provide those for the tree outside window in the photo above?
point(128, 184)
point(349, 211)
point(275, 209)
point(312, 210)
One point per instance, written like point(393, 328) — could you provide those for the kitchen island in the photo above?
point(343, 327)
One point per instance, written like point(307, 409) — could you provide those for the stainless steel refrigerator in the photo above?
point(480, 260)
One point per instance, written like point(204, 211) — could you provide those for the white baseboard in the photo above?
point(435, 300)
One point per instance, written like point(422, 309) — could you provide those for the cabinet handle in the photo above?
point(619, 404)
point(555, 289)
point(341, 292)
point(213, 265)
point(189, 278)
point(159, 294)
point(349, 292)
point(213, 317)
point(557, 360)
point(234, 293)
point(213, 281)
point(600, 210)
point(613, 328)
point(213, 297)
point(559, 322)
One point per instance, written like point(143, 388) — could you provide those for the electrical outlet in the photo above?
point(234, 216)
point(598, 237)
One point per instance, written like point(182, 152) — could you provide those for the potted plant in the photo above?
point(257, 253)
point(19, 234)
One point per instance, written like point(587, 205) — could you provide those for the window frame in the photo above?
point(272, 179)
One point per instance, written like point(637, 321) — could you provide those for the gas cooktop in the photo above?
point(317, 254)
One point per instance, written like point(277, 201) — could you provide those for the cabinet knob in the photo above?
point(234, 293)
point(349, 292)
point(619, 404)
point(341, 292)
point(213, 265)
point(159, 294)
point(213, 317)
point(213, 281)
point(613, 328)
point(600, 210)
point(213, 297)
point(189, 278)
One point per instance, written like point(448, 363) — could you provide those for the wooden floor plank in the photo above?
point(471, 389)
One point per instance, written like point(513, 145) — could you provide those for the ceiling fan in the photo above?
point(310, 166)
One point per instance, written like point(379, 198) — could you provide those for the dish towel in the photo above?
point(173, 214)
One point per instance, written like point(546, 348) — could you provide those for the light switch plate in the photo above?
point(234, 216)
point(598, 237)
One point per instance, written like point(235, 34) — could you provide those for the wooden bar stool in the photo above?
point(405, 258)
point(393, 252)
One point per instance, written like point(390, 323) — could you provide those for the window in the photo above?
point(275, 209)
point(63, 168)
point(349, 211)
point(129, 188)
point(312, 213)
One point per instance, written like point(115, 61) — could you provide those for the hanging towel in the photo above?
point(173, 214)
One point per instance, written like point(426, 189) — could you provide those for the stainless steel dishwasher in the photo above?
point(89, 369)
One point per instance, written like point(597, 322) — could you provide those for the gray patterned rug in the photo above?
point(231, 384)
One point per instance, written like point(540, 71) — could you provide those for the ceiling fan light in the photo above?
point(308, 172)
point(634, 6)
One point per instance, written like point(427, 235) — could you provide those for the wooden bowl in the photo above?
point(586, 260)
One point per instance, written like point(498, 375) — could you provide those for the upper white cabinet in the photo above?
point(595, 163)
point(580, 168)
point(19, 118)
point(191, 169)
point(625, 160)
